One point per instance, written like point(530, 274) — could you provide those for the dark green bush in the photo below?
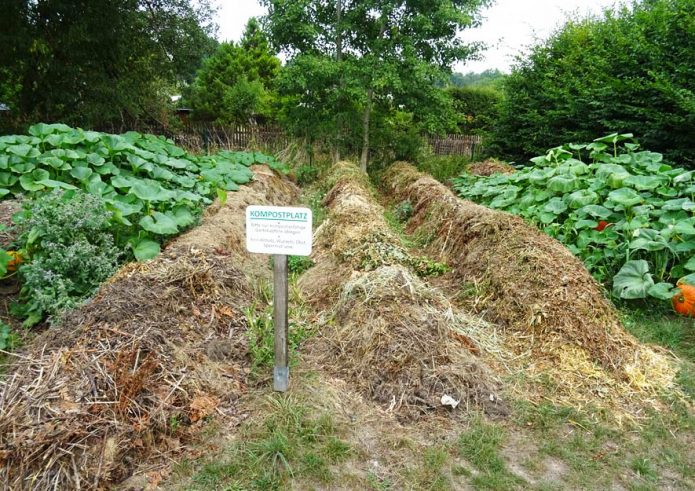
point(306, 174)
point(630, 71)
point(476, 108)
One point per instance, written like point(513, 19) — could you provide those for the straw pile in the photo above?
point(548, 302)
point(532, 283)
point(489, 167)
point(130, 376)
point(391, 336)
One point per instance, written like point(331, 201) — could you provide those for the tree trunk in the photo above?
point(364, 159)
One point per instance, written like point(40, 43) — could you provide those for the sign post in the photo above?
point(280, 231)
point(281, 370)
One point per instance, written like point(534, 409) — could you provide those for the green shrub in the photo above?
point(71, 251)
point(306, 174)
point(403, 211)
point(299, 264)
point(631, 70)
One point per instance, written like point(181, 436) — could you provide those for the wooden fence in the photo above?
point(465, 145)
point(210, 137)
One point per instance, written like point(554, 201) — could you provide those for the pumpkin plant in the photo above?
point(684, 299)
point(93, 200)
point(152, 188)
point(625, 212)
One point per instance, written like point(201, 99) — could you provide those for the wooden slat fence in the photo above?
point(210, 137)
point(465, 145)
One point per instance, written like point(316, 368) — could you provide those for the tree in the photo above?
point(236, 84)
point(392, 56)
point(487, 79)
point(630, 71)
point(98, 62)
point(476, 108)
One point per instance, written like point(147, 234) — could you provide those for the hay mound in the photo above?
point(130, 376)
point(394, 338)
point(533, 284)
point(489, 167)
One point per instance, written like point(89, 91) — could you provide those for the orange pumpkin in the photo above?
point(15, 261)
point(684, 300)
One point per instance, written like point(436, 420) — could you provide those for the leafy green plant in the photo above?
point(67, 236)
point(403, 211)
point(8, 339)
point(628, 215)
point(152, 188)
point(299, 264)
point(306, 174)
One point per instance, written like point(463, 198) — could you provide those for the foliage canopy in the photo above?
point(236, 84)
point(632, 70)
point(96, 62)
point(367, 64)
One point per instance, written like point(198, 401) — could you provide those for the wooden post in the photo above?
point(281, 370)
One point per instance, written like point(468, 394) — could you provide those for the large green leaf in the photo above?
point(626, 197)
point(81, 173)
point(146, 249)
point(633, 280)
point(53, 184)
point(582, 197)
point(555, 206)
point(30, 181)
point(596, 211)
point(23, 150)
point(563, 184)
point(649, 240)
point(183, 216)
point(662, 291)
point(643, 183)
point(159, 223)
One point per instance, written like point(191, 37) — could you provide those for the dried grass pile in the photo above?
point(546, 300)
point(489, 167)
point(130, 376)
point(393, 337)
point(531, 282)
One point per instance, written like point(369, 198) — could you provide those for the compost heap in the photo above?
point(391, 336)
point(489, 167)
point(131, 375)
point(539, 291)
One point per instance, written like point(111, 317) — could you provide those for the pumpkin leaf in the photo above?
point(159, 223)
point(146, 249)
point(633, 280)
point(662, 291)
point(626, 197)
point(688, 280)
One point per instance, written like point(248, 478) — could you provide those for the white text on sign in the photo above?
point(278, 230)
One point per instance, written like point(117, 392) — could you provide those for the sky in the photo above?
point(509, 27)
